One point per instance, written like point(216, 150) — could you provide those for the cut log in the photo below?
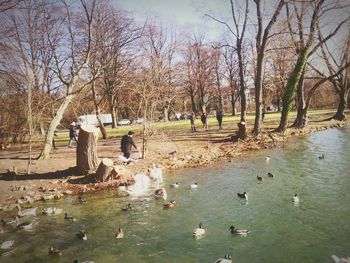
point(104, 170)
point(87, 149)
point(242, 130)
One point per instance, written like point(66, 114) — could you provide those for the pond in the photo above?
point(280, 230)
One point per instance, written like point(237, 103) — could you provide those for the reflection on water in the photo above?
point(280, 231)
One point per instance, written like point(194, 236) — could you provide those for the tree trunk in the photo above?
point(101, 125)
point(300, 120)
point(289, 93)
point(340, 114)
point(104, 170)
point(166, 113)
point(114, 116)
point(45, 153)
point(87, 149)
point(233, 104)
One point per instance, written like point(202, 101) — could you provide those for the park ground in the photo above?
point(56, 176)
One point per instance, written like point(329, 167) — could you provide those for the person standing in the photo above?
point(72, 134)
point(219, 118)
point(192, 119)
point(126, 143)
point(204, 119)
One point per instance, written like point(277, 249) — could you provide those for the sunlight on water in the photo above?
point(280, 231)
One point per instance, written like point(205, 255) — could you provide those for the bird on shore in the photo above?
point(271, 175)
point(82, 234)
point(175, 185)
point(169, 205)
point(82, 200)
point(295, 198)
point(26, 212)
point(199, 231)
point(119, 234)
point(54, 252)
point(127, 208)
point(243, 195)
point(193, 185)
point(226, 259)
point(259, 178)
point(68, 217)
point(240, 232)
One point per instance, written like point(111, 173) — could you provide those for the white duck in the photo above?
point(240, 232)
point(226, 259)
point(119, 234)
point(7, 244)
point(199, 231)
point(26, 212)
point(295, 198)
point(175, 185)
point(193, 186)
point(267, 158)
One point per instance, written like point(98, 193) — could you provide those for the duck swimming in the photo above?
point(321, 157)
point(271, 175)
point(226, 259)
point(70, 218)
point(240, 232)
point(243, 195)
point(198, 231)
point(82, 234)
point(193, 185)
point(26, 212)
point(54, 252)
point(295, 198)
point(25, 225)
point(267, 158)
point(119, 234)
point(259, 178)
point(175, 185)
point(169, 205)
point(127, 207)
point(160, 193)
point(82, 200)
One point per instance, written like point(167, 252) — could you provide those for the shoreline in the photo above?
point(64, 182)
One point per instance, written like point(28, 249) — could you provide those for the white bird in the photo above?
point(267, 158)
point(193, 185)
point(226, 259)
point(82, 234)
point(295, 198)
point(7, 244)
point(119, 234)
point(47, 211)
point(26, 212)
point(175, 185)
point(25, 225)
point(240, 232)
point(199, 231)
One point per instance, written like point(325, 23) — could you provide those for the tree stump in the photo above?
point(87, 149)
point(104, 170)
point(242, 130)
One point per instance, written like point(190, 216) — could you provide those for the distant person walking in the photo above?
point(72, 134)
point(219, 118)
point(204, 119)
point(126, 143)
point(192, 119)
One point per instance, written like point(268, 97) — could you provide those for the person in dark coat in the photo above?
point(72, 134)
point(204, 119)
point(219, 118)
point(192, 119)
point(126, 143)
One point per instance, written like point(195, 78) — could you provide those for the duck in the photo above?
point(226, 259)
point(26, 212)
point(8, 221)
point(47, 211)
point(25, 225)
point(7, 244)
point(243, 195)
point(169, 205)
point(54, 251)
point(259, 178)
point(321, 157)
point(175, 185)
point(160, 193)
point(70, 218)
point(82, 200)
point(127, 207)
point(119, 234)
point(82, 234)
point(295, 198)
point(240, 232)
point(267, 158)
point(198, 231)
point(122, 186)
point(193, 185)
point(271, 175)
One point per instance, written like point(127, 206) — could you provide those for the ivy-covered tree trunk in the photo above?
point(340, 114)
point(300, 120)
point(289, 93)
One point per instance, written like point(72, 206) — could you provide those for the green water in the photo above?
point(280, 231)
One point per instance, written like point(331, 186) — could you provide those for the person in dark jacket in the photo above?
point(204, 119)
point(72, 134)
point(126, 143)
point(192, 120)
point(219, 118)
